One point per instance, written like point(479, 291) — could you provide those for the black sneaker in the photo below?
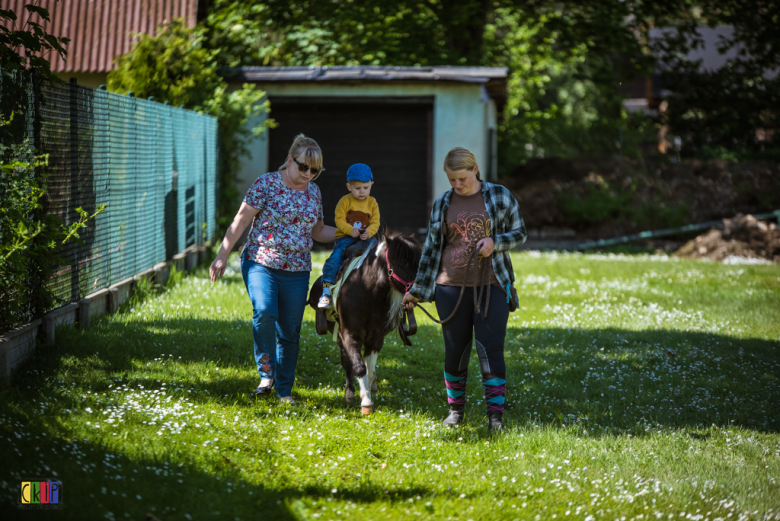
point(264, 390)
point(454, 418)
point(495, 422)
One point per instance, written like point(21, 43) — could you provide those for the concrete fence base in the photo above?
point(18, 345)
point(95, 305)
point(67, 315)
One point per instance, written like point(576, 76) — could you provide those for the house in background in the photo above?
point(101, 30)
point(401, 121)
point(647, 94)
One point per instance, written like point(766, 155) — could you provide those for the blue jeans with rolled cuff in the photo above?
point(332, 265)
point(278, 302)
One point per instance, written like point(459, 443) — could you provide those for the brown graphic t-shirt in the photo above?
point(466, 221)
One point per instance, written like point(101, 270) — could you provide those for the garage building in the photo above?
point(401, 121)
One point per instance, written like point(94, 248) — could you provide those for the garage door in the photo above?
point(392, 136)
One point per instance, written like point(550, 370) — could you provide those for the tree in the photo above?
point(731, 112)
point(24, 45)
point(587, 44)
point(23, 48)
point(30, 236)
point(566, 59)
point(174, 66)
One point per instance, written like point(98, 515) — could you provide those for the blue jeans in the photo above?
point(278, 301)
point(332, 265)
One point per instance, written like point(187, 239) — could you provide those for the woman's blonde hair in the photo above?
point(460, 158)
point(306, 146)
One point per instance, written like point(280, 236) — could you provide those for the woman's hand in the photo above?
point(410, 301)
point(485, 247)
point(354, 233)
point(242, 219)
point(217, 267)
point(364, 235)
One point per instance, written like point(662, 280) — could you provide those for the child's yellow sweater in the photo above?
point(348, 203)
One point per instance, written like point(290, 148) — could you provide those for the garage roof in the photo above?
point(494, 78)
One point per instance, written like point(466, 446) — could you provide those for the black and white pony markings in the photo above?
point(369, 307)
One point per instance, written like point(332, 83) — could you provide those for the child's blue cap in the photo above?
point(360, 172)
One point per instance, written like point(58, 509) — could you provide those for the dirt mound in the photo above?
point(742, 236)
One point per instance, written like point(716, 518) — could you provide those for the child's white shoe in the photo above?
point(325, 299)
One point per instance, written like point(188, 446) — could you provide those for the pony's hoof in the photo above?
point(367, 409)
point(349, 397)
point(374, 387)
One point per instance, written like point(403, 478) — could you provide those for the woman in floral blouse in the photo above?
point(285, 210)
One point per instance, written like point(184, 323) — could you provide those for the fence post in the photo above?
point(74, 181)
point(36, 282)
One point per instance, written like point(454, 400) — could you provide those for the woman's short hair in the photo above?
point(460, 158)
point(308, 149)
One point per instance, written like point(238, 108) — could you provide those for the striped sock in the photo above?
point(495, 389)
point(456, 387)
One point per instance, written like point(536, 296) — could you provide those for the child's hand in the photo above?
point(355, 232)
point(364, 235)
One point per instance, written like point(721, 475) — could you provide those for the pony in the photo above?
point(369, 306)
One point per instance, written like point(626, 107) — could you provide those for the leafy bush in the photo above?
point(602, 202)
point(596, 206)
point(29, 236)
point(726, 114)
point(174, 66)
point(24, 44)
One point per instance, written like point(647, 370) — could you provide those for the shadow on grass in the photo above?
point(96, 480)
point(611, 380)
point(604, 381)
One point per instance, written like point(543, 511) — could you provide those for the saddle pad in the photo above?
point(332, 314)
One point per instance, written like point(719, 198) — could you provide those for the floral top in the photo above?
point(280, 236)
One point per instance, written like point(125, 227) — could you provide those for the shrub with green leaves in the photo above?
point(29, 235)
point(24, 43)
point(174, 66)
point(602, 201)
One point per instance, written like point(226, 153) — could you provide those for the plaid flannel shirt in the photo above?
point(507, 231)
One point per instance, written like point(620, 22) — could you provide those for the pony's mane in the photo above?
point(403, 250)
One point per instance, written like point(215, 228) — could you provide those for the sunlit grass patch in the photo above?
point(638, 385)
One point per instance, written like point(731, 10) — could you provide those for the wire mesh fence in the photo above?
point(154, 166)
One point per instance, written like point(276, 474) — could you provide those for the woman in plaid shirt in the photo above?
point(485, 216)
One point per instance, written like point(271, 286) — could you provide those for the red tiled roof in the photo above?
point(101, 30)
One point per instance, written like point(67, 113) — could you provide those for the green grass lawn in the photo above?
point(639, 387)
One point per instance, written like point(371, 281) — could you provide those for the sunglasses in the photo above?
point(303, 167)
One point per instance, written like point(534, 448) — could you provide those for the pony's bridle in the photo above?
point(404, 331)
point(390, 273)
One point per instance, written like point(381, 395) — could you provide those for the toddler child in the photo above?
point(357, 218)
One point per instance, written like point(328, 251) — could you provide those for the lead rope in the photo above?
point(484, 288)
point(485, 282)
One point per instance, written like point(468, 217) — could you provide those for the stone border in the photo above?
point(95, 304)
point(17, 345)
point(67, 315)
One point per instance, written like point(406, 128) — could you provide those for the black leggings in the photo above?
point(459, 332)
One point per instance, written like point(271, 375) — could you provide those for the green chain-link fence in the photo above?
point(153, 164)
